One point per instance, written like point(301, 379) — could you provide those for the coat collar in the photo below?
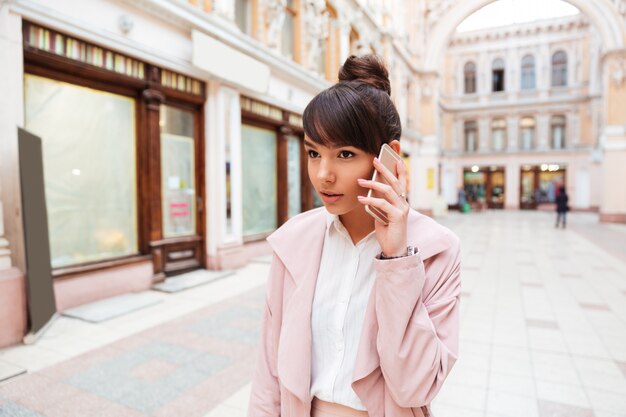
point(298, 244)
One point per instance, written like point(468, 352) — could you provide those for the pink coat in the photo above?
point(410, 334)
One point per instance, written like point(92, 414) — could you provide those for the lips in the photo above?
point(329, 196)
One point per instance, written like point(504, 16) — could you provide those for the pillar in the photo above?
point(613, 200)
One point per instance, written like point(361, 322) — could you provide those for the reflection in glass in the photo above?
point(293, 175)
point(258, 148)
point(89, 169)
point(178, 188)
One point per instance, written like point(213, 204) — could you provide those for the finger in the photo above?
point(385, 189)
point(387, 175)
point(402, 175)
point(382, 204)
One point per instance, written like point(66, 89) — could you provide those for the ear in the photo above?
point(395, 145)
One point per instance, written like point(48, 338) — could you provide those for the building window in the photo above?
point(558, 132)
point(259, 182)
point(559, 69)
point(469, 77)
point(294, 180)
point(498, 135)
point(89, 169)
point(497, 75)
point(528, 73)
point(178, 188)
point(527, 131)
point(288, 44)
point(471, 136)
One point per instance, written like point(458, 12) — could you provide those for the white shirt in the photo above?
point(344, 283)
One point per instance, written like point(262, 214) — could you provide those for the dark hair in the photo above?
point(357, 111)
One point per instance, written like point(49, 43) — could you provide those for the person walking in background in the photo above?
point(561, 207)
point(462, 200)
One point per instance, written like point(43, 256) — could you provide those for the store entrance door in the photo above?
point(539, 185)
point(181, 244)
point(484, 187)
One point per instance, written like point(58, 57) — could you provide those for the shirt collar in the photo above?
point(333, 221)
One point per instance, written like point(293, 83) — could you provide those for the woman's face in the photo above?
point(334, 173)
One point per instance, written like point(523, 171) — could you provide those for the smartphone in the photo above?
point(388, 157)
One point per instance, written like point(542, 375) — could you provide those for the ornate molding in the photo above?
point(316, 26)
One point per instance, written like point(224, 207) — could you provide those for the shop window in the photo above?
point(469, 77)
point(559, 69)
point(527, 133)
point(497, 75)
point(294, 184)
point(528, 72)
point(558, 132)
point(89, 169)
point(288, 43)
point(258, 148)
point(471, 136)
point(178, 188)
point(498, 135)
point(243, 15)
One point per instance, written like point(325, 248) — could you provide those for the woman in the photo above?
point(361, 319)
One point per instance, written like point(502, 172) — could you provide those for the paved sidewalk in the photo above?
point(543, 334)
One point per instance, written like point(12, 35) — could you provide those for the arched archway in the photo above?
point(608, 18)
point(601, 13)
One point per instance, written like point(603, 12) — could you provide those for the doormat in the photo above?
point(113, 307)
point(190, 280)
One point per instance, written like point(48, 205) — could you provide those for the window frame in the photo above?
point(558, 69)
point(498, 75)
point(469, 78)
point(146, 93)
point(528, 70)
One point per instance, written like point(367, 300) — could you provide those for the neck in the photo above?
point(358, 224)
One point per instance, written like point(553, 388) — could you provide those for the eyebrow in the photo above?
point(314, 146)
point(309, 144)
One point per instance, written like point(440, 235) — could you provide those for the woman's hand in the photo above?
point(392, 237)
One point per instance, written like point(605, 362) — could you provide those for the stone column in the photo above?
point(572, 130)
point(484, 135)
point(344, 38)
point(458, 140)
point(425, 155)
point(613, 201)
point(11, 116)
point(543, 132)
point(512, 125)
point(13, 317)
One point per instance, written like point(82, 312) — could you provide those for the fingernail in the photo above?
point(360, 180)
point(360, 197)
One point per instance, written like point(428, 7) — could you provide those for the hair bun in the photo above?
point(368, 69)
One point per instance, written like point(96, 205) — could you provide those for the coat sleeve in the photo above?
point(265, 393)
point(418, 327)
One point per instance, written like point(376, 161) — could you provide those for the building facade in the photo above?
point(171, 130)
point(520, 115)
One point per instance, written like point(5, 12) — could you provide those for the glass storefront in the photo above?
point(540, 184)
point(294, 188)
point(89, 169)
point(484, 187)
point(259, 185)
point(178, 188)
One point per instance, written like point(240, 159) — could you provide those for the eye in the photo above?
point(346, 154)
point(312, 154)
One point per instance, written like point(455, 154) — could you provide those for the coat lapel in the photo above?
point(299, 246)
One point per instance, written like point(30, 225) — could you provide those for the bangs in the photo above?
point(339, 116)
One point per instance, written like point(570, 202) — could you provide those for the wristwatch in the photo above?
point(410, 251)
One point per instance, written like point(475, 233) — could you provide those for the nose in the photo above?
point(325, 172)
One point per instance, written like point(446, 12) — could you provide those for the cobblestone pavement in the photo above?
point(543, 334)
